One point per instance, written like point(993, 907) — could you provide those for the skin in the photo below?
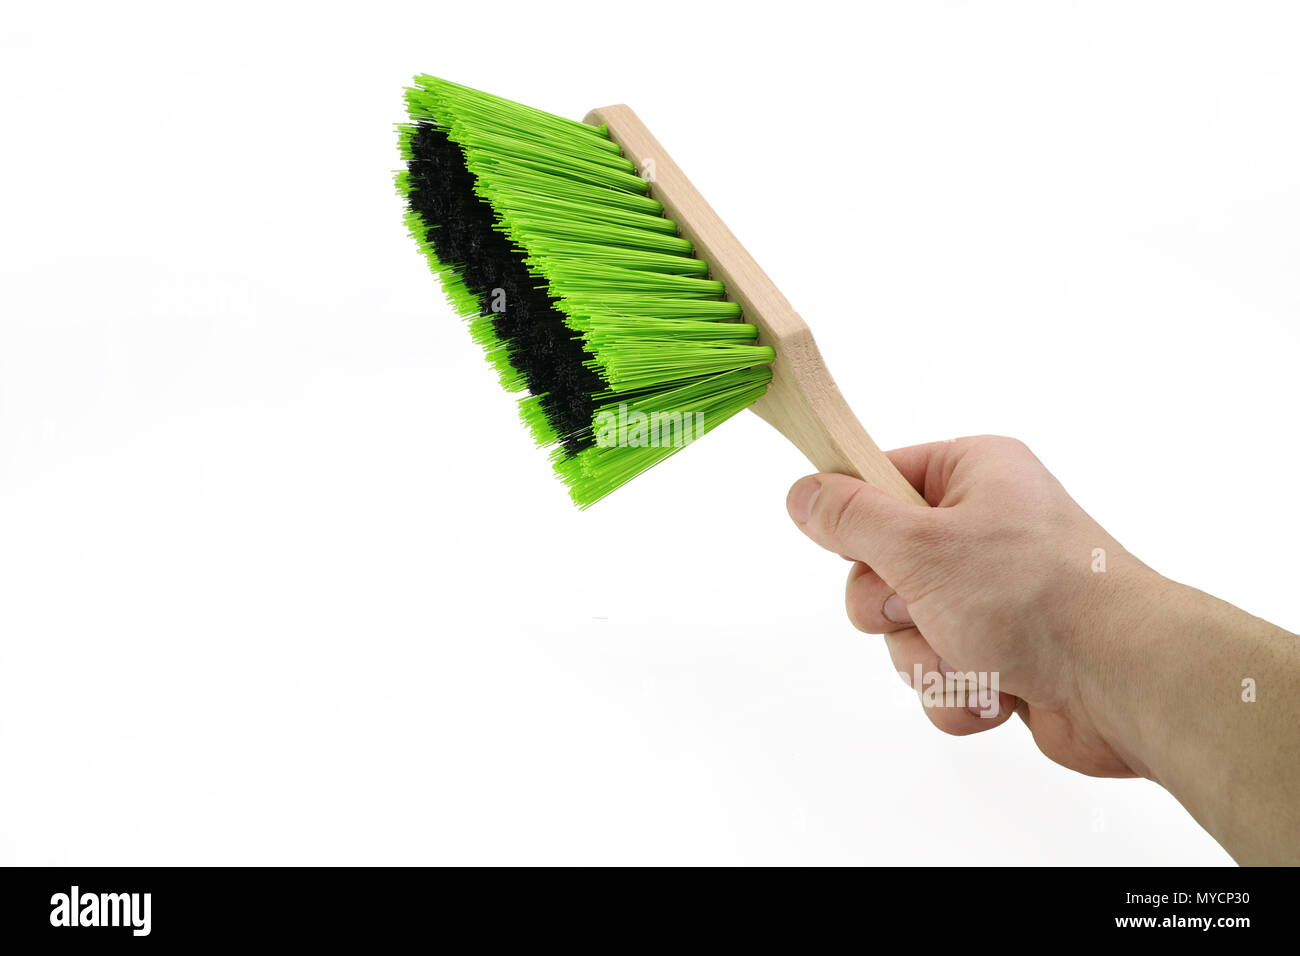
point(1117, 673)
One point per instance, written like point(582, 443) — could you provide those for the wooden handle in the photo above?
point(803, 402)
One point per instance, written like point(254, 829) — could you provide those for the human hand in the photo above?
point(998, 577)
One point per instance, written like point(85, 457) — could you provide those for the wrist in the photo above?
point(1128, 633)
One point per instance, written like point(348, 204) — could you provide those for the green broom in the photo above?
point(609, 292)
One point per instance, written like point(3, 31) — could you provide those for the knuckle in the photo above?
point(858, 590)
point(1010, 447)
point(837, 513)
point(950, 721)
point(857, 605)
point(930, 536)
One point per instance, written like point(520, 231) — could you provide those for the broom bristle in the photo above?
point(577, 286)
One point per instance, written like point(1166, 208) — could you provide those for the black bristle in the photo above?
point(462, 232)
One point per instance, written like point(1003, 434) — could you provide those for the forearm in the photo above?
point(1204, 699)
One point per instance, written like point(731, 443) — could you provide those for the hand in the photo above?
point(999, 577)
point(1117, 670)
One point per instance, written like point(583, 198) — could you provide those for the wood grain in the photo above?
point(802, 403)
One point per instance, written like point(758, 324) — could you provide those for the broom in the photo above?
point(608, 293)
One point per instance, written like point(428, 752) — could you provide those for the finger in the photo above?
point(949, 704)
point(872, 605)
point(850, 517)
point(928, 467)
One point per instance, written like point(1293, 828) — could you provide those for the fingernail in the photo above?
point(895, 609)
point(802, 498)
point(994, 705)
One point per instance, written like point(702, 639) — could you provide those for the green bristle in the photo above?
point(639, 306)
point(630, 362)
point(484, 333)
point(670, 353)
point(593, 279)
point(534, 416)
point(609, 237)
point(506, 179)
point(595, 472)
point(463, 302)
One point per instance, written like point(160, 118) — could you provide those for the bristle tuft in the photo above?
point(580, 292)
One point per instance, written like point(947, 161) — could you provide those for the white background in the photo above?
point(282, 580)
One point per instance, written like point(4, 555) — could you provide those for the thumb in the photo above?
point(857, 520)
